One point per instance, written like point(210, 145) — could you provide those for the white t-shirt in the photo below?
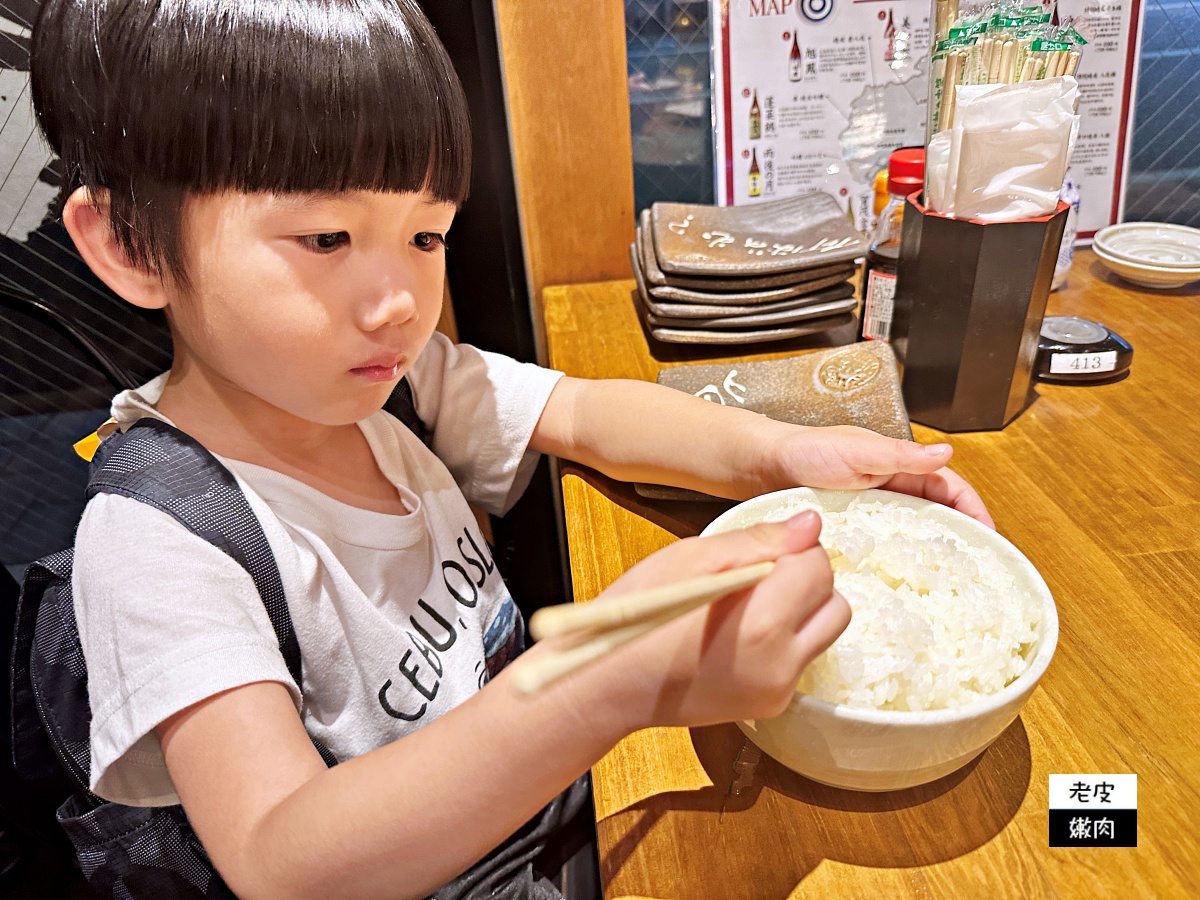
point(391, 612)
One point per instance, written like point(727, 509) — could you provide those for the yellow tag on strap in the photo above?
point(87, 447)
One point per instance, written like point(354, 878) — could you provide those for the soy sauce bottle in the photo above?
point(906, 175)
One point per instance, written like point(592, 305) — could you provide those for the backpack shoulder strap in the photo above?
point(157, 464)
point(42, 761)
point(402, 404)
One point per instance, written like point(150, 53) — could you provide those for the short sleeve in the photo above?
point(482, 408)
point(166, 620)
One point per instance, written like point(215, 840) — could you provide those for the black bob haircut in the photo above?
point(157, 100)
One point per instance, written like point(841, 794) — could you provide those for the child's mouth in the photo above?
point(377, 373)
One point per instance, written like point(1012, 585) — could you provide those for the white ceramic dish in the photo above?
point(1147, 275)
point(885, 750)
point(1151, 243)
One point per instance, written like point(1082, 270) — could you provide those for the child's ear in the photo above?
point(85, 216)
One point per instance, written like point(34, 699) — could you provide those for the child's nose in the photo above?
point(391, 305)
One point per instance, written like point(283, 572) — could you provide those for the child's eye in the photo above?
point(429, 240)
point(326, 242)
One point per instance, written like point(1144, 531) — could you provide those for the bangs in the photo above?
point(174, 97)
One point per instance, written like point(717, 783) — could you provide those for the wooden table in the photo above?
point(1100, 487)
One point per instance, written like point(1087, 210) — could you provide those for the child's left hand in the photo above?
point(849, 458)
point(634, 431)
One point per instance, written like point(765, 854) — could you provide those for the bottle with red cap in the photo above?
point(906, 175)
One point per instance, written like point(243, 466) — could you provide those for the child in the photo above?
point(279, 176)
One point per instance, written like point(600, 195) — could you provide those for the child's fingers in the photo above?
point(767, 540)
point(823, 627)
point(947, 488)
point(951, 489)
point(788, 618)
point(792, 593)
point(873, 454)
point(716, 553)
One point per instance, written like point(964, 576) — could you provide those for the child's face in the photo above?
point(316, 305)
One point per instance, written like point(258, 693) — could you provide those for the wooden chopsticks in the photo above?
point(603, 625)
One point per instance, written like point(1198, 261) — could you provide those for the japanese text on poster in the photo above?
point(814, 95)
point(1107, 75)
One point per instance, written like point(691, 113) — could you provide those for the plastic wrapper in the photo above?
point(1006, 155)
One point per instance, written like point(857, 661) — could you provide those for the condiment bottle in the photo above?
point(1066, 250)
point(906, 174)
point(881, 195)
point(879, 199)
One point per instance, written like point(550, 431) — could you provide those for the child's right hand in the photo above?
point(741, 657)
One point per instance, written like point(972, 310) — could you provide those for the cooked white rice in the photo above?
point(937, 623)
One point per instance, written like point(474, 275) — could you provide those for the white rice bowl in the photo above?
point(952, 628)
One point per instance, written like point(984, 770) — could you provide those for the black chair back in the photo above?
point(67, 345)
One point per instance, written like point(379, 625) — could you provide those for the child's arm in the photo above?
point(637, 431)
point(403, 819)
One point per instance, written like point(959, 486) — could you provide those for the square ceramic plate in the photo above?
point(816, 292)
point(656, 278)
point(756, 320)
point(788, 235)
point(748, 335)
point(858, 384)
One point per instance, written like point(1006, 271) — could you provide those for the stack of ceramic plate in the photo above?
point(1152, 254)
point(745, 274)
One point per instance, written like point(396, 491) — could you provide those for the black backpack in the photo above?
point(123, 850)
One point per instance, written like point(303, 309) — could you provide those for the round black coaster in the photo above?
point(1072, 350)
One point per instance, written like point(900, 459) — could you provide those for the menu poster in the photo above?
point(1107, 76)
point(814, 95)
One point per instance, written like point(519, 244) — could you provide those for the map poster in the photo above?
point(1107, 76)
point(814, 95)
